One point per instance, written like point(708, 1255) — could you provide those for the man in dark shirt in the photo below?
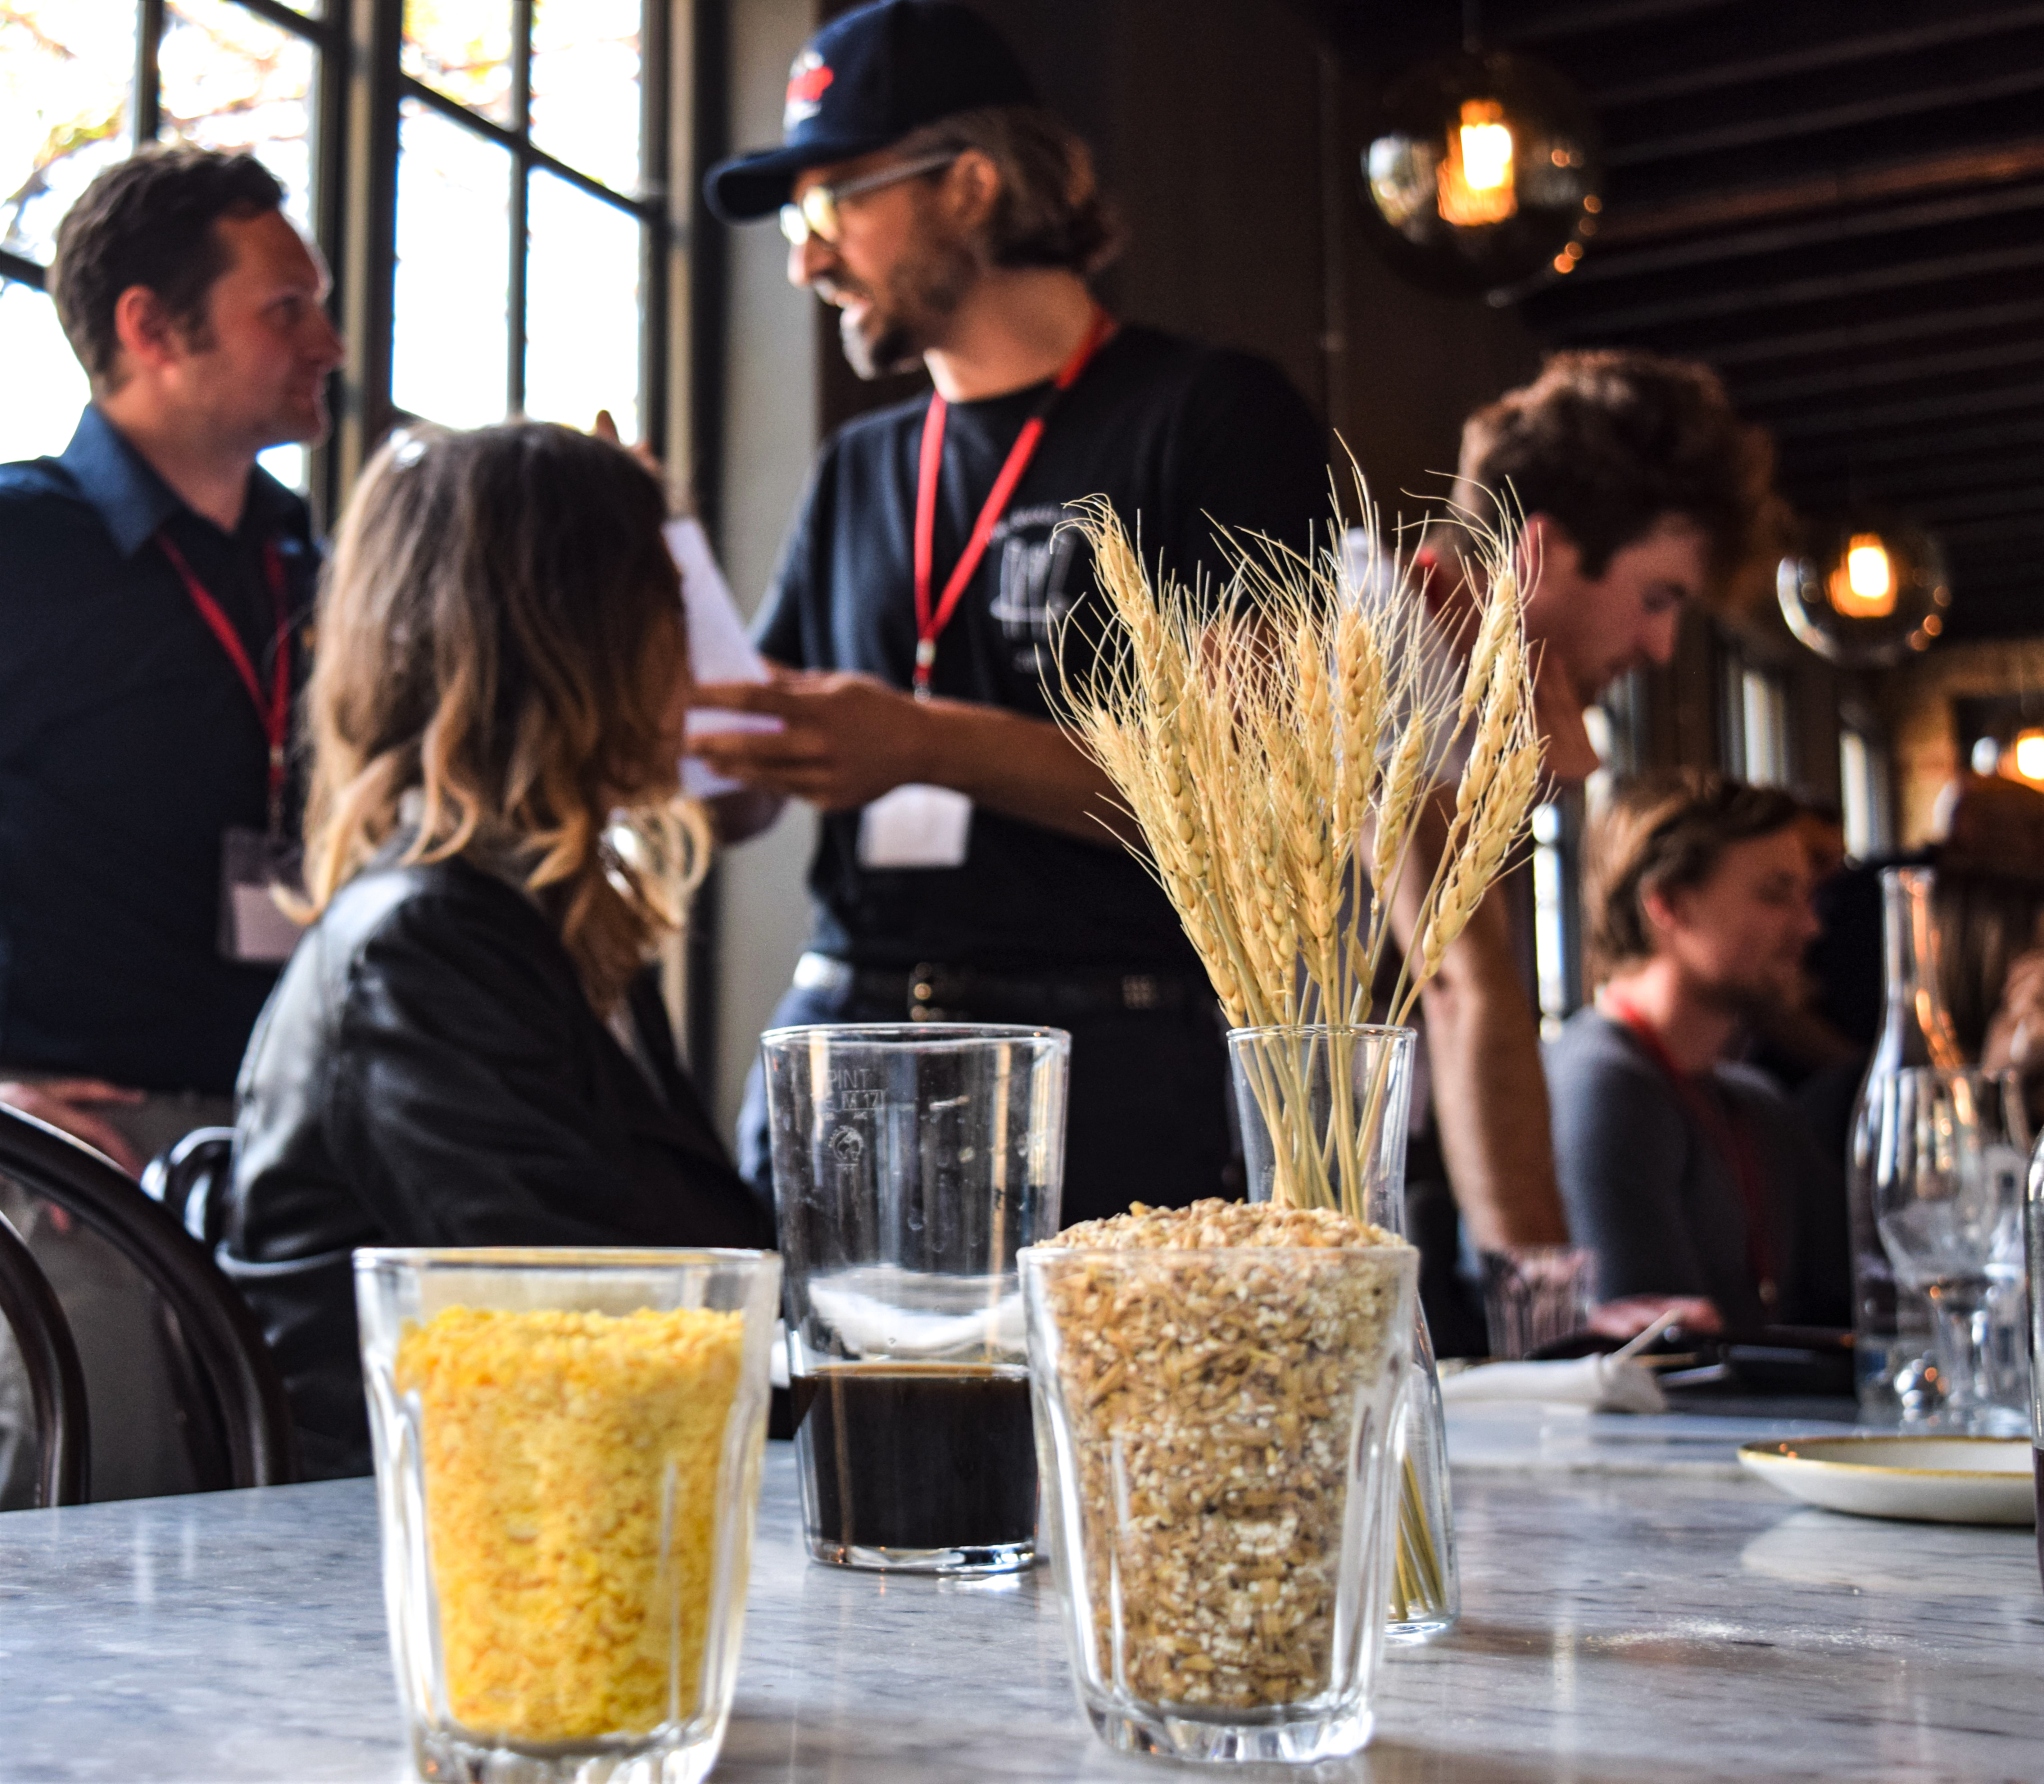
point(968, 866)
point(153, 585)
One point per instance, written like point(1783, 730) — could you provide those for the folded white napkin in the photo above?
point(1603, 1384)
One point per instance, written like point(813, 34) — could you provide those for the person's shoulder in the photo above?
point(442, 918)
point(878, 430)
point(38, 486)
point(1752, 1088)
point(1591, 1045)
point(1200, 370)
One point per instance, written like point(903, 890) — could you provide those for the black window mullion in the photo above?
point(148, 95)
point(275, 12)
point(23, 270)
point(521, 186)
point(655, 321)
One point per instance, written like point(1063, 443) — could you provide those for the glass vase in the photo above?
point(1893, 1347)
point(1323, 1114)
point(1217, 1435)
point(567, 1467)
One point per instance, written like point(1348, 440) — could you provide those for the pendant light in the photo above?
point(1872, 590)
point(1483, 173)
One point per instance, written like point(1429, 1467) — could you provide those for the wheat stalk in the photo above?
point(1276, 742)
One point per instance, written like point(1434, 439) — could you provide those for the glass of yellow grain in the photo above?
point(567, 1467)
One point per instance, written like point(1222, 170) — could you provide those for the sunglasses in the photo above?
point(816, 212)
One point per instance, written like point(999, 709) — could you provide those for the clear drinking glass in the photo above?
point(1535, 1294)
point(1218, 1433)
point(1950, 1152)
point(911, 1162)
point(567, 1468)
point(1324, 1110)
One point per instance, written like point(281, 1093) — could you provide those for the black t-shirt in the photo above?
point(1172, 433)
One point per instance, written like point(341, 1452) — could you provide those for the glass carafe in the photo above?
point(1892, 1338)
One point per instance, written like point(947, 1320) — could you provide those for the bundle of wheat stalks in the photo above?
point(1277, 741)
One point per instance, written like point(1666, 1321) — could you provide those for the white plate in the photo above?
point(1943, 1480)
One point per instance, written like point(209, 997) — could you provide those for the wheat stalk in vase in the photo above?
point(1277, 742)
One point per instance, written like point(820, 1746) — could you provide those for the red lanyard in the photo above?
point(1726, 1132)
point(275, 717)
point(930, 624)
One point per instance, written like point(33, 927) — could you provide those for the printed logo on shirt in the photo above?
point(1032, 591)
point(806, 82)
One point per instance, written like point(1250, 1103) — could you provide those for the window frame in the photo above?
point(357, 101)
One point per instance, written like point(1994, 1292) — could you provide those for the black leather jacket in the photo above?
point(429, 1072)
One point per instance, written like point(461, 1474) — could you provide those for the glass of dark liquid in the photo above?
point(911, 1163)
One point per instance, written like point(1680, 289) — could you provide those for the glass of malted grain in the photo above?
point(567, 1468)
point(1218, 1398)
point(910, 1164)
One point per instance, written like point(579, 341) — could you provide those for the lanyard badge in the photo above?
point(274, 714)
point(253, 929)
point(932, 618)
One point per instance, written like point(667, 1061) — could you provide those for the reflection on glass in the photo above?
point(462, 48)
point(65, 69)
point(233, 81)
point(585, 86)
point(45, 383)
point(451, 344)
point(582, 307)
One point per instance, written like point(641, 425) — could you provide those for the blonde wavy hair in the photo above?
point(500, 631)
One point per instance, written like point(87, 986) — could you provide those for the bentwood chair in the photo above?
point(181, 1389)
point(190, 1180)
point(49, 1365)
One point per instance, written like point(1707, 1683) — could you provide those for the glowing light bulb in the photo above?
point(1863, 584)
point(2030, 756)
point(1486, 147)
point(1476, 182)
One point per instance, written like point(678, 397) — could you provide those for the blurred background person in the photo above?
point(1688, 1176)
point(1643, 493)
point(153, 583)
point(464, 1050)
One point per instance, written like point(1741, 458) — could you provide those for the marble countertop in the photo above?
point(1632, 1611)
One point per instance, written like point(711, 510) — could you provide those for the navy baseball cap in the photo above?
point(866, 80)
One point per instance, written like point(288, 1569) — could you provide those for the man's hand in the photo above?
point(2015, 1038)
point(65, 1104)
point(845, 739)
point(1631, 1316)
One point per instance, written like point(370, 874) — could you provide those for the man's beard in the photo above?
point(905, 320)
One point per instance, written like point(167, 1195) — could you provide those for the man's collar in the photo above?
point(110, 474)
point(133, 500)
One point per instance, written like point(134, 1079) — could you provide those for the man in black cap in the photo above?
point(968, 866)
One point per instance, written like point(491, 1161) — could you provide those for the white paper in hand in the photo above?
point(718, 650)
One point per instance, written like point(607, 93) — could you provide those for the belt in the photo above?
point(934, 993)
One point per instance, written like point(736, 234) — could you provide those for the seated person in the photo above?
point(463, 1050)
point(1690, 1177)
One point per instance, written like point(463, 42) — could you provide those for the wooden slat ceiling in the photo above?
point(1841, 207)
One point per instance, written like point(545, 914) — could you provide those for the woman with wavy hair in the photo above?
point(463, 1049)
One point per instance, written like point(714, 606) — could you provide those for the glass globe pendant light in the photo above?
point(1483, 172)
point(1871, 591)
